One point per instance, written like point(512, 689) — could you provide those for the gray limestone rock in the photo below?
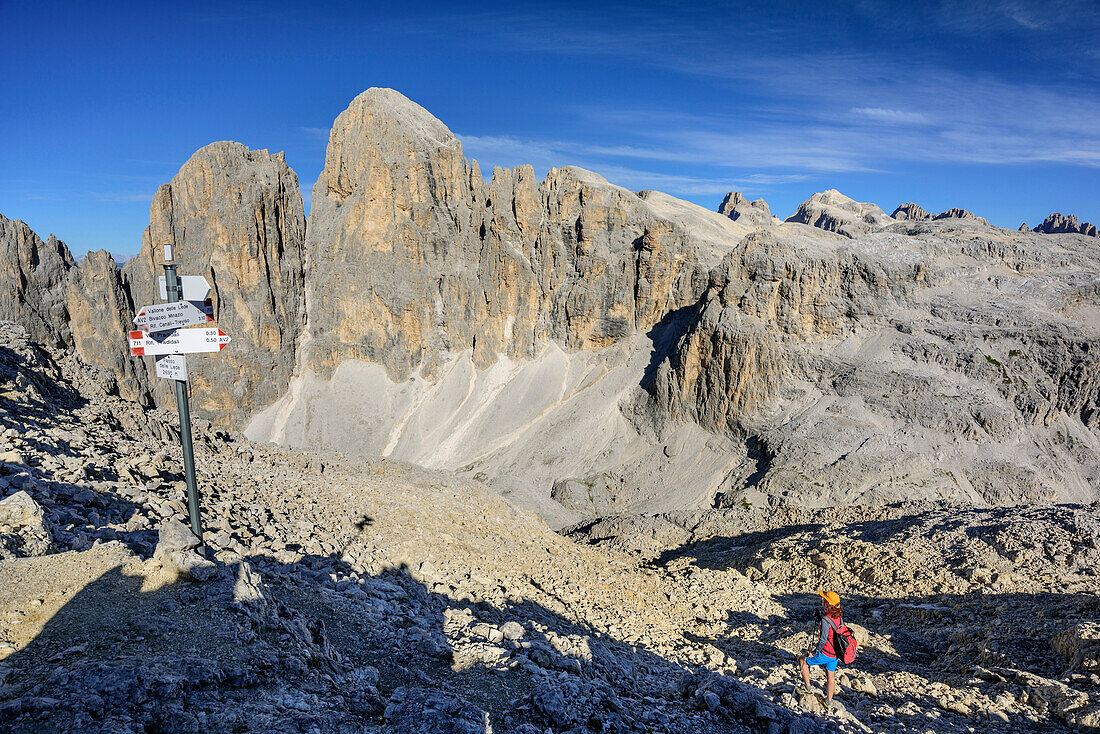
point(560, 333)
point(23, 527)
point(833, 211)
point(1079, 646)
point(549, 701)
point(33, 278)
point(739, 209)
point(176, 554)
point(431, 711)
point(101, 313)
point(247, 590)
point(801, 347)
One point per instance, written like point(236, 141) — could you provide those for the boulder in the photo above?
point(1079, 645)
point(431, 711)
point(23, 527)
point(547, 700)
point(176, 552)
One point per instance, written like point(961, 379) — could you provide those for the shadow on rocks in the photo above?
point(313, 646)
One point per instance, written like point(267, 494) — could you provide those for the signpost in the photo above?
point(195, 287)
point(172, 367)
point(165, 316)
point(178, 341)
point(162, 334)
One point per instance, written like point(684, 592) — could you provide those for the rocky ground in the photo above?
point(341, 595)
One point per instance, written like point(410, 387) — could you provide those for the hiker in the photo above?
point(829, 619)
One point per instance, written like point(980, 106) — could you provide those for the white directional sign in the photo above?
point(165, 316)
point(172, 367)
point(195, 287)
point(180, 341)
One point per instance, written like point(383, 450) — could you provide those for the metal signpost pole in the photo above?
point(174, 295)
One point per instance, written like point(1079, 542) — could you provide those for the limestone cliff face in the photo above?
point(772, 290)
point(235, 216)
point(101, 314)
point(413, 256)
point(33, 278)
point(887, 367)
point(833, 211)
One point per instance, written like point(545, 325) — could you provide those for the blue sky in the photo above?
point(992, 106)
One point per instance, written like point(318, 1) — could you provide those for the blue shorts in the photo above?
point(829, 663)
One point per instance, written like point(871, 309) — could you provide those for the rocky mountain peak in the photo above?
point(382, 129)
point(496, 269)
point(910, 211)
point(236, 217)
point(33, 277)
point(833, 211)
point(739, 209)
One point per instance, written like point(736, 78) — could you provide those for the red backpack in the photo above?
point(844, 642)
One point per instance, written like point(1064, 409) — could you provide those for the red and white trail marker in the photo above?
point(180, 341)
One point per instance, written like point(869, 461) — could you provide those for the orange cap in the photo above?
point(831, 597)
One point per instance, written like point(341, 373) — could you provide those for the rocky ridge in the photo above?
point(380, 596)
point(910, 211)
point(957, 213)
point(881, 311)
point(1057, 223)
point(413, 256)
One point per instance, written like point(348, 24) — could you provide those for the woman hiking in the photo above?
point(829, 618)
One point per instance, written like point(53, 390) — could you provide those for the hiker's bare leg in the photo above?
point(830, 684)
point(805, 671)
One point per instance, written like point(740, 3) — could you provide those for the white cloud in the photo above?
point(121, 196)
point(881, 114)
point(317, 133)
point(816, 109)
